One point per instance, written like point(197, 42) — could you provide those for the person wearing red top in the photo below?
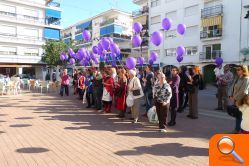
point(107, 96)
point(120, 93)
point(81, 86)
point(64, 83)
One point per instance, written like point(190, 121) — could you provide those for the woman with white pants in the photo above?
point(135, 89)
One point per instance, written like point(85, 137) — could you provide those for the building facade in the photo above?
point(142, 16)
point(112, 23)
point(25, 25)
point(215, 28)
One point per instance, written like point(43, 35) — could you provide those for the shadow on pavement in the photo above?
point(170, 149)
point(32, 150)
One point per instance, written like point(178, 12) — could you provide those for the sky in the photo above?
point(77, 10)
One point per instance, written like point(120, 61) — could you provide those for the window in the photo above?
point(155, 3)
point(5, 50)
point(172, 15)
point(30, 14)
point(171, 52)
point(156, 19)
point(31, 52)
point(7, 10)
point(192, 10)
point(30, 33)
point(192, 31)
point(170, 34)
point(192, 50)
point(6, 30)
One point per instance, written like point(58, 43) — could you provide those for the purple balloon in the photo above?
point(114, 49)
point(137, 27)
point(136, 41)
point(82, 52)
point(114, 64)
point(151, 62)
point(86, 35)
point(110, 40)
point(72, 61)
point(95, 49)
point(96, 61)
point(180, 51)
point(66, 56)
point(82, 62)
point(113, 56)
point(140, 60)
point(181, 29)
point(131, 63)
point(156, 38)
point(100, 49)
point(71, 52)
point(62, 57)
point(105, 43)
point(179, 58)
point(153, 56)
point(166, 24)
point(219, 61)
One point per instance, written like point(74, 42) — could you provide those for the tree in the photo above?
point(52, 51)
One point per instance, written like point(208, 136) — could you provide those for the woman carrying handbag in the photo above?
point(135, 90)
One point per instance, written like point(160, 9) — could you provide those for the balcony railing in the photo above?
point(144, 10)
point(83, 42)
point(67, 35)
point(54, 4)
point(28, 19)
point(18, 37)
point(209, 56)
point(109, 21)
point(212, 11)
point(211, 34)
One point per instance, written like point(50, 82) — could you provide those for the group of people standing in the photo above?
point(116, 87)
point(144, 87)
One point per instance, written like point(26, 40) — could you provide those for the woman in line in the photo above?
point(120, 93)
point(240, 89)
point(98, 90)
point(65, 79)
point(244, 108)
point(193, 93)
point(135, 89)
point(107, 96)
point(174, 102)
point(162, 96)
point(75, 81)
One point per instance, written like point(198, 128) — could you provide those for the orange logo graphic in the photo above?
point(229, 150)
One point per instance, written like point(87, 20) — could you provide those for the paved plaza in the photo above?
point(46, 129)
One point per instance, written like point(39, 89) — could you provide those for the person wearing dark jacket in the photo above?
point(174, 102)
point(183, 91)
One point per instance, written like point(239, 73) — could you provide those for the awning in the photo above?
point(50, 33)
point(53, 13)
point(84, 25)
point(212, 21)
point(142, 19)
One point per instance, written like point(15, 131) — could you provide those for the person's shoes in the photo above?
point(189, 116)
point(135, 121)
point(171, 124)
point(194, 117)
point(163, 130)
point(219, 109)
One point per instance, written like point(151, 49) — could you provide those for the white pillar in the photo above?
point(20, 70)
point(57, 73)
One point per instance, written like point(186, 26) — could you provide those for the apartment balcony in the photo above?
point(10, 58)
point(137, 13)
point(109, 21)
point(140, 2)
point(210, 56)
point(54, 4)
point(22, 39)
point(145, 44)
point(211, 34)
point(22, 19)
point(67, 35)
point(212, 11)
point(83, 43)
